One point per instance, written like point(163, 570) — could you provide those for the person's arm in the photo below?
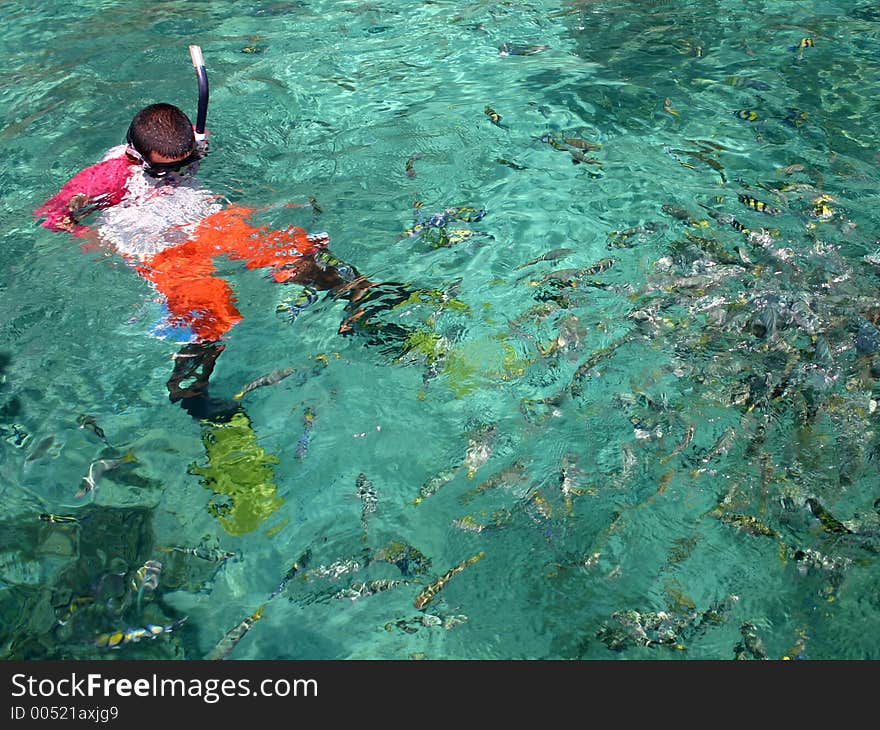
point(98, 186)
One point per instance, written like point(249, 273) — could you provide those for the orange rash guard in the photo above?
point(184, 274)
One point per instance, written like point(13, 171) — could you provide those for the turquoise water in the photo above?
point(670, 455)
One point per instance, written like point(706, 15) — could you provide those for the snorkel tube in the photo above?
point(198, 61)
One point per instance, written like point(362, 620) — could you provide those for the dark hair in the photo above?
point(161, 128)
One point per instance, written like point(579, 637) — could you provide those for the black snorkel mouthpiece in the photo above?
point(198, 61)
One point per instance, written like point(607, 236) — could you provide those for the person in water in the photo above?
point(153, 212)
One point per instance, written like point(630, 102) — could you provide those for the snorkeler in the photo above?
point(152, 211)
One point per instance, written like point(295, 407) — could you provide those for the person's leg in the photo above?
point(200, 307)
point(188, 383)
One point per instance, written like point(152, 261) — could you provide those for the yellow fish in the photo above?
point(493, 115)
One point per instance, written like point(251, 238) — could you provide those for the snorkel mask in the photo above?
point(162, 169)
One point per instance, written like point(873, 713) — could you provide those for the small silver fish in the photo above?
point(212, 555)
point(578, 157)
point(410, 165)
point(41, 449)
point(556, 253)
point(234, 635)
point(432, 485)
point(722, 445)
point(681, 445)
point(513, 49)
point(268, 379)
point(335, 569)
point(479, 448)
point(361, 590)
point(511, 476)
point(98, 468)
point(146, 579)
point(367, 493)
point(59, 519)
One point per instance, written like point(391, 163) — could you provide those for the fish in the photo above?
point(580, 144)
point(90, 424)
point(726, 219)
point(570, 475)
point(667, 107)
point(294, 570)
point(568, 337)
point(748, 114)
point(428, 594)
point(789, 169)
point(415, 230)
point(146, 579)
point(128, 636)
point(494, 116)
point(556, 253)
point(369, 500)
point(801, 44)
point(681, 445)
point(828, 521)
point(722, 445)
point(335, 569)
point(739, 227)
point(41, 449)
point(748, 82)
point(268, 379)
point(554, 143)
point(513, 49)
point(479, 448)
point(410, 165)
point(302, 443)
point(234, 635)
point(567, 277)
point(795, 118)
point(620, 239)
point(369, 588)
point(600, 266)
point(508, 163)
point(59, 519)
point(821, 209)
point(469, 524)
point(408, 559)
point(747, 523)
point(758, 205)
point(316, 209)
point(98, 468)
point(212, 555)
point(511, 475)
point(75, 605)
point(751, 643)
point(578, 157)
point(433, 484)
point(466, 213)
point(293, 306)
point(676, 211)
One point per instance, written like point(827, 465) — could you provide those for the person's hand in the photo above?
point(79, 206)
